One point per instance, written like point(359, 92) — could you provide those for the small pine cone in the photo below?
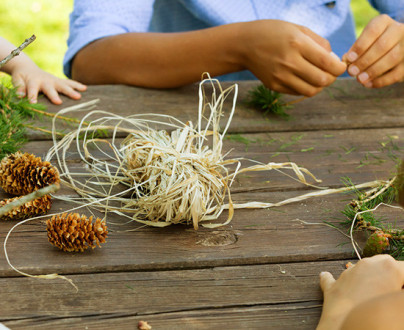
point(31, 209)
point(23, 173)
point(377, 243)
point(72, 232)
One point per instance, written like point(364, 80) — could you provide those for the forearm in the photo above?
point(22, 60)
point(160, 60)
point(382, 312)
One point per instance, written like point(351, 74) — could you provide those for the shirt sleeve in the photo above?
point(393, 8)
point(95, 19)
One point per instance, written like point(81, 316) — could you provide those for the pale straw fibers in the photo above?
point(165, 171)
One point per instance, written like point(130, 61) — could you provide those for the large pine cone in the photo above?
point(31, 209)
point(72, 232)
point(23, 173)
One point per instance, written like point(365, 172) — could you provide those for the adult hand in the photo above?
point(368, 279)
point(290, 58)
point(377, 57)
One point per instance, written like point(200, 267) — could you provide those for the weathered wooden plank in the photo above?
point(345, 104)
point(260, 235)
point(284, 295)
point(288, 316)
point(325, 142)
point(253, 237)
point(177, 277)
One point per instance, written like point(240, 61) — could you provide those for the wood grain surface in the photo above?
point(258, 272)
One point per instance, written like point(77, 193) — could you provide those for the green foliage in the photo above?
point(393, 242)
point(12, 113)
point(399, 183)
point(11, 134)
point(265, 99)
point(351, 209)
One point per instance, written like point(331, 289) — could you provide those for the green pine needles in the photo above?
point(382, 238)
point(14, 112)
point(269, 101)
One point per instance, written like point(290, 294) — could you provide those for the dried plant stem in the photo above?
point(260, 205)
point(28, 198)
point(300, 99)
point(17, 51)
point(374, 193)
point(367, 197)
point(52, 115)
point(47, 276)
point(43, 130)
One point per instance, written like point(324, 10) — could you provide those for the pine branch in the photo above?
point(382, 239)
point(43, 130)
point(17, 51)
point(52, 115)
point(15, 113)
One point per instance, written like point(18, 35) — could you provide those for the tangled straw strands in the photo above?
point(156, 177)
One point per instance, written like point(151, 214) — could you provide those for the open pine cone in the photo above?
point(23, 173)
point(31, 209)
point(72, 232)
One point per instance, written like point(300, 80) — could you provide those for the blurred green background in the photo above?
point(49, 21)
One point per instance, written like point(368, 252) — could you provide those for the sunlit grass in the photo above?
point(363, 13)
point(47, 19)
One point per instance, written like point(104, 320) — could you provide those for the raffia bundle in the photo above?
point(75, 233)
point(179, 181)
point(160, 176)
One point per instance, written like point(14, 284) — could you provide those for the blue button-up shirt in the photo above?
point(95, 19)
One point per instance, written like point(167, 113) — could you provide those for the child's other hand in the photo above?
point(377, 57)
point(31, 80)
point(368, 279)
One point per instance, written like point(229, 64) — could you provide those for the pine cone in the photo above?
point(31, 209)
point(377, 243)
point(72, 232)
point(21, 174)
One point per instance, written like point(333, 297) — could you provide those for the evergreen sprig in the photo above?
point(270, 101)
point(11, 136)
point(14, 112)
point(368, 221)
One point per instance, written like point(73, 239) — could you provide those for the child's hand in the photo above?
point(368, 279)
point(31, 80)
point(377, 57)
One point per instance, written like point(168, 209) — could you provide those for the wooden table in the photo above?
point(258, 272)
